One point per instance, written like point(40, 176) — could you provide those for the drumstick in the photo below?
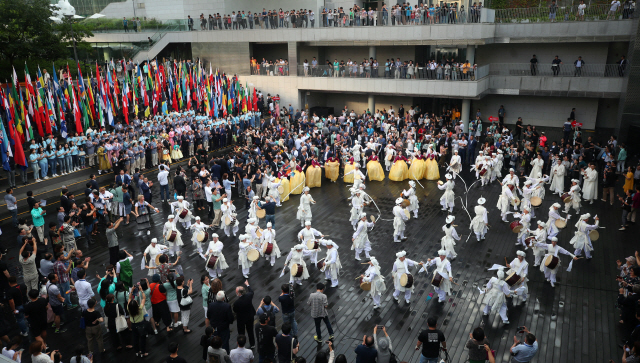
point(365, 263)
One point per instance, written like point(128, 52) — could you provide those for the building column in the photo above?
point(471, 54)
point(464, 114)
point(372, 104)
point(372, 52)
point(292, 54)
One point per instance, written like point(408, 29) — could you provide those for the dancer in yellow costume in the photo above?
point(418, 167)
point(399, 171)
point(332, 169)
point(284, 183)
point(296, 183)
point(314, 174)
point(432, 172)
point(348, 179)
point(374, 169)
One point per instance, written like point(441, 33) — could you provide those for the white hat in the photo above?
point(356, 165)
point(450, 219)
point(521, 253)
point(180, 197)
point(556, 205)
point(542, 224)
point(197, 218)
point(575, 181)
point(499, 151)
point(330, 243)
point(171, 216)
point(154, 240)
point(363, 215)
point(481, 201)
point(269, 225)
point(401, 254)
point(528, 182)
point(455, 151)
point(585, 216)
point(214, 235)
point(256, 198)
point(374, 261)
point(412, 183)
point(448, 176)
point(357, 191)
point(243, 237)
point(305, 189)
point(500, 274)
point(511, 170)
point(251, 220)
point(539, 175)
point(307, 223)
point(352, 190)
point(554, 239)
point(298, 247)
point(442, 253)
point(399, 201)
point(480, 152)
point(224, 200)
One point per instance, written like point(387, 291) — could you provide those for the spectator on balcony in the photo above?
point(615, 4)
point(125, 24)
point(622, 64)
point(555, 65)
point(189, 23)
point(553, 9)
point(579, 63)
point(534, 65)
point(581, 7)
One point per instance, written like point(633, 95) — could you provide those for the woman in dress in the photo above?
point(297, 178)
point(349, 166)
point(374, 169)
point(432, 172)
point(332, 169)
point(284, 183)
point(198, 193)
point(399, 171)
point(628, 180)
point(418, 167)
point(103, 160)
point(142, 214)
point(314, 173)
point(176, 153)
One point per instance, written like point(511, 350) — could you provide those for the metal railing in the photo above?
point(564, 13)
point(451, 73)
point(562, 70)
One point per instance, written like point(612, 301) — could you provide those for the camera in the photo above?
point(521, 329)
point(480, 347)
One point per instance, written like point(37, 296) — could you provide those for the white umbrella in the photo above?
point(96, 16)
point(78, 17)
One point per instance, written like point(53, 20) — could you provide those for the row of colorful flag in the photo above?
point(42, 107)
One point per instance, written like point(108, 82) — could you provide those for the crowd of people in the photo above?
point(278, 152)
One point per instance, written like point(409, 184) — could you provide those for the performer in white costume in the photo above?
point(229, 210)
point(374, 276)
point(480, 223)
point(251, 231)
point(527, 193)
point(304, 210)
point(450, 237)
point(496, 168)
point(215, 249)
point(525, 220)
point(358, 176)
point(253, 209)
point(443, 268)
point(487, 164)
point(455, 165)
point(357, 205)
point(590, 184)
point(355, 151)
point(541, 237)
point(153, 250)
point(332, 264)
point(478, 165)
point(557, 184)
point(447, 199)
point(360, 237)
point(552, 230)
point(521, 267)
point(198, 226)
point(273, 190)
point(574, 193)
point(307, 234)
point(505, 200)
point(413, 199)
point(176, 209)
point(269, 237)
point(540, 180)
point(399, 218)
point(511, 178)
point(296, 256)
point(389, 153)
point(553, 250)
point(169, 227)
point(401, 266)
point(582, 240)
point(244, 247)
point(536, 166)
point(497, 291)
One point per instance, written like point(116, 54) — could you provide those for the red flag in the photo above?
point(18, 152)
point(255, 100)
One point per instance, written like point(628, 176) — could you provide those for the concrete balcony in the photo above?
point(590, 87)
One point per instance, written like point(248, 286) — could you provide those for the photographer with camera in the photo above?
point(476, 344)
point(523, 352)
point(383, 345)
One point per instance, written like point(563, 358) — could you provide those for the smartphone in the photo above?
point(480, 346)
point(90, 355)
point(380, 326)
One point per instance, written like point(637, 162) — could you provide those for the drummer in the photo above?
point(480, 223)
point(487, 165)
point(477, 164)
point(574, 193)
point(399, 218)
point(401, 267)
point(525, 221)
point(455, 165)
point(169, 227)
point(506, 196)
point(582, 240)
point(375, 278)
point(153, 250)
point(243, 259)
point(360, 237)
point(552, 251)
point(527, 193)
point(443, 268)
point(304, 210)
point(511, 178)
point(356, 207)
point(229, 214)
point(332, 264)
point(448, 241)
point(497, 291)
point(196, 230)
point(309, 234)
point(448, 198)
point(413, 199)
point(520, 267)
point(269, 237)
point(215, 249)
point(541, 237)
point(552, 230)
point(253, 208)
point(177, 207)
point(295, 257)
point(251, 231)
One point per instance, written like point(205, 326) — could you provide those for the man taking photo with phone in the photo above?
point(524, 352)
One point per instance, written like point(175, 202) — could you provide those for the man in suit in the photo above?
point(471, 150)
point(326, 154)
point(243, 307)
point(219, 317)
point(179, 184)
point(145, 188)
point(94, 182)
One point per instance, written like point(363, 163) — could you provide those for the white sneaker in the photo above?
point(407, 301)
point(395, 298)
point(46, 177)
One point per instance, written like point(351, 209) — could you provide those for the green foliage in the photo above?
point(105, 24)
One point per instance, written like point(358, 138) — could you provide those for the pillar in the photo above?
point(471, 54)
point(292, 54)
point(464, 114)
point(372, 51)
point(372, 103)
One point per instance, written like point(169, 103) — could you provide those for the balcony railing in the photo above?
point(565, 13)
point(562, 70)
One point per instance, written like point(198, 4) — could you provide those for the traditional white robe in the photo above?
point(307, 234)
point(449, 240)
point(399, 268)
point(522, 269)
point(153, 252)
point(332, 265)
point(269, 236)
point(552, 230)
point(304, 210)
point(590, 185)
point(195, 228)
point(443, 268)
point(378, 286)
point(413, 199)
point(557, 184)
point(581, 240)
point(295, 257)
point(537, 165)
point(361, 237)
point(574, 192)
point(479, 222)
point(215, 249)
point(399, 219)
point(447, 197)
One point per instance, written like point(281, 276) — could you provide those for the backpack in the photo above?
point(270, 314)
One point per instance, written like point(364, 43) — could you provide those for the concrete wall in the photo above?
point(543, 111)
point(269, 51)
point(357, 102)
point(356, 53)
point(598, 87)
point(591, 53)
point(607, 117)
point(232, 58)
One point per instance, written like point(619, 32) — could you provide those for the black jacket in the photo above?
point(220, 315)
point(243, 307)
point(179, 183)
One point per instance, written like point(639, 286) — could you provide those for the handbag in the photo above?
point(186, 300)
point(121, 321)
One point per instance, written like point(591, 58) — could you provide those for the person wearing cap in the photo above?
point(590, 183)
point(273, 190)
point(355, 151)
point(309, 234)
point(497, 291)
point(360, 237)
point(520, 266)
point(511, 178)
point(169, 227)
point(582, 240)
point(296, 257)
point(487, 164)
point(480, 223)
point(357, 205)
point(358, 176)
point(400, 267)
point(399, 218)
point(541, 237)
point(389, 152)
point(374, 276)
point(245, 246)
point(553, 250)
point(443, 268)
point(527, 192)
point(196, 228)
point(269, 237)
point(479, 162)
point(539, 180)
point(448, 197)
point(506, 196)
point(455, 165)
point(536, 166)
point(525, 221)
point(152, 250)
point(496, 169)
point(552, 230)
point(413, 199)
point(304, 210)
point(450, 237)
point(557, 184)
point(177, 207)
point(253, 207)
point(332, 263)
point(574, 193)
point(215, 249)
point(229, 212)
